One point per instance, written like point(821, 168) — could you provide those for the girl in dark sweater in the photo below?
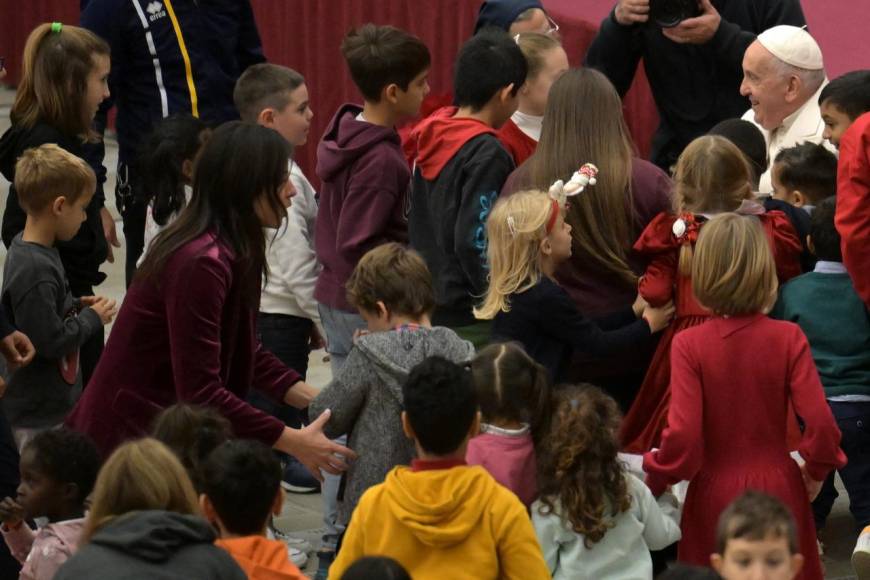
point(528, 239)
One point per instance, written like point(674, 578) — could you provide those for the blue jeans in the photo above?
point(339, 327)
point(854, 422)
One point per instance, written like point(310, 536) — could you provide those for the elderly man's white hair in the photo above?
point(810, 80)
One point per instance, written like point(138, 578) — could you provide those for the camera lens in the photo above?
point(669, 13)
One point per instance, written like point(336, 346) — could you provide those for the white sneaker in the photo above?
point(293, 543)
point(298, 557)
point(861, 555)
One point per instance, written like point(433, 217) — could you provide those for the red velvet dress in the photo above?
point(662, 282)
point(732, 386)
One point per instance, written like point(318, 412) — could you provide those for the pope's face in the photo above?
point(770, 92)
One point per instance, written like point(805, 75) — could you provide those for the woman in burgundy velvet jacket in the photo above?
point(187, 329)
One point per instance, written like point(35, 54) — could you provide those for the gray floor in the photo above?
point(302, 514)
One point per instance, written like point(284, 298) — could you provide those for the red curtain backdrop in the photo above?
point(305, 35)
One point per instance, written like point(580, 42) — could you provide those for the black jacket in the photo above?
point(694, 86)
point(82, 255)
point(152, 545)
point(220, 41)
point(447, 222)
point(546, 322)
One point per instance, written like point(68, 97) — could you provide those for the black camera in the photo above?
point(669, 13)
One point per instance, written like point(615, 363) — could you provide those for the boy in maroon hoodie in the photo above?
point(365, 176)
point(364, 195)
point(459, 169)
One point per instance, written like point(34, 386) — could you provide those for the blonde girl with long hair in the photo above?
point(712, 177)
point(64, 79)
point(547, 61)
point(734, 381)
point(528, 241)
point(144, 519)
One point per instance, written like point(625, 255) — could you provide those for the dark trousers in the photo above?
point(131, 205)
point(92, 349)
point(9, 566)
point(854, 422)
point(286, 337)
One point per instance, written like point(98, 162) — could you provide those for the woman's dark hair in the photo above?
point(580, 477)
point(161, 159)
point(241, 163)
point(66, 456)
point(192, 433)
point(376, 568)
point(511, 386)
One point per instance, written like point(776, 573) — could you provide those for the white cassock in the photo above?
point(805, 124)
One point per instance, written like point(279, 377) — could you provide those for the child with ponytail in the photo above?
point(528, 239)
point(712, 177)
point(64, 80)
point(513, 393)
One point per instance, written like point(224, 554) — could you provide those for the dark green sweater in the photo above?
point(837, 325)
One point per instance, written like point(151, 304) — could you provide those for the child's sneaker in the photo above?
point(297, 548)
point(861, 555)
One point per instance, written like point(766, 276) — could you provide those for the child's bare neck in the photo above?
point(39, 231)
point(484, 115)
point(505, 424)
point(402, 320)
point(380, 114)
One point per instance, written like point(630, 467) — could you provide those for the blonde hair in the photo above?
point(712, 176)
point(734, 272)
point(515, 229)
point(47, 172)
point(54, 79)
point(583, 122)
point(535, 46)
point(139, 475)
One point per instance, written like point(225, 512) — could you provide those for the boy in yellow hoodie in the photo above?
point(441, 518)
point(241, 484)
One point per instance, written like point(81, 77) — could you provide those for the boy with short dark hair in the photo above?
point(756, 532)
point(804, 175)
point(842, 101)
point(834, 319)
point(460, 167)
point(441, 518)
point(241, 490)
point(54, 188)
point(392, 288)
point(365, 176)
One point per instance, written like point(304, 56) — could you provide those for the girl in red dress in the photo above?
point(712, 177)
point(734, 379)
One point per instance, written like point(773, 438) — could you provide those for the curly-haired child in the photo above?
point(595, 520)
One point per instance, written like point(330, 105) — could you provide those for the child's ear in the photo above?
point(506, 94)
point(278, 503)
point(187, 170)
point(207, 508)
point(716, 562)
point(70, 492)
point(406, 427)
point(266, 118)
point(391, 93)
point(58, 205)
point(798, 198)
point(810, 246)
point(474, 430)
point(383, 311)
point(546, 246)
point(797, 564)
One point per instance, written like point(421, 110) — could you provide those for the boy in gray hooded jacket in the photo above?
point(392, 289)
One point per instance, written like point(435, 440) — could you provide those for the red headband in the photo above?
point(554, 213)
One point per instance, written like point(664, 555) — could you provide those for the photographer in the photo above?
point(692, 52)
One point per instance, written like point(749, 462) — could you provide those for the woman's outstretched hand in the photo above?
point(313, 449)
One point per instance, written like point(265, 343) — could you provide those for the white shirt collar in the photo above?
point(825, 267)
point(528, 124)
